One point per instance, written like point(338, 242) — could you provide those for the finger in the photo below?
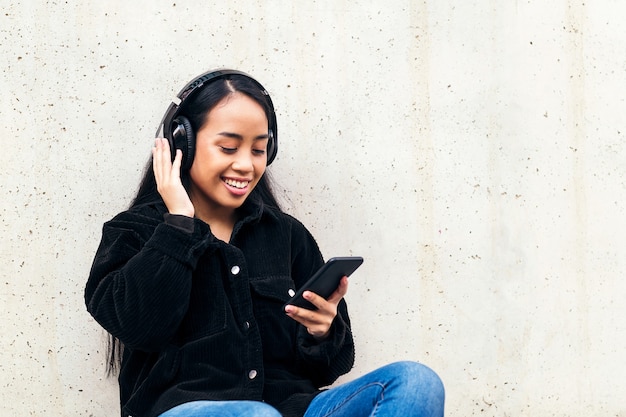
point(156, 158)
point(166, 152)
point(299, 314)
point(308, 318)
point(162, 156)
point(161, 163)
point(315, 299)
point(340, 292)
point(177, 163)
point(317, 322)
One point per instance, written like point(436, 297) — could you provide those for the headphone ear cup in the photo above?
point(183, 138)
point(271, 147)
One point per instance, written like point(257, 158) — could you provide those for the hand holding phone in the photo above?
point(326, 280)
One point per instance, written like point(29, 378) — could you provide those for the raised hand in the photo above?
point(167, 176)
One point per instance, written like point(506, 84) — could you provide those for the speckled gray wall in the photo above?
point(473, 152)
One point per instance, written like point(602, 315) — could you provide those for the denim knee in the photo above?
point(222, 408)
point(415, 377)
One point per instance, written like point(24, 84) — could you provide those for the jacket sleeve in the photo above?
point(322, 361)
point(329, 359)
point(140, 281)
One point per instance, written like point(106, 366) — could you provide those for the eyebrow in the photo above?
point(240, 137)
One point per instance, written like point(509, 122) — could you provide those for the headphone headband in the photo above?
point(171, 122)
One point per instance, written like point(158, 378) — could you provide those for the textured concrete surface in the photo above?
point(472, 152)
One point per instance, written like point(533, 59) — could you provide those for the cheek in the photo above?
point(260, 165)
point(205, 162)
point(195, 172)
point(259, 171)
point(203, 175)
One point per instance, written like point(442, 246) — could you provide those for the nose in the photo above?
point(243, 161)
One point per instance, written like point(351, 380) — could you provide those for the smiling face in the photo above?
point(230, 156)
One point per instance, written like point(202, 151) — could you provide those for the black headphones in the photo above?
point(178, 131)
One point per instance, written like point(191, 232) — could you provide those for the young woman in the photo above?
point(191, 280)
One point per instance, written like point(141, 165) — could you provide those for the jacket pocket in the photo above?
point(206, 314)
point(274, 289)
point(278, 330)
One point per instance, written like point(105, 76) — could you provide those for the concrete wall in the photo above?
point(473, 152)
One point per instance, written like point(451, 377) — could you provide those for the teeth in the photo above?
point(237, 184)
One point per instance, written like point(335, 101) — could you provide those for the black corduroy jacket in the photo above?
point(202, 319)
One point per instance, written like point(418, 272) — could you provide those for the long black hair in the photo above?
point(196, 110)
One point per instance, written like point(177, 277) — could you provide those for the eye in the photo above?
point(228, 150)
point(258, 151)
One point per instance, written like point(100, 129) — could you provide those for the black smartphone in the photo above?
point(326, 280)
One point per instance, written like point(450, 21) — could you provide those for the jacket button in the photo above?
point(252, 374)
point(235, 270)
point(291, 292)
point(246, 325)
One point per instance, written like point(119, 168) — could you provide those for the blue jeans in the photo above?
point(222, 409)
point(401, 389)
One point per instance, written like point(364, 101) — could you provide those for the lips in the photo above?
point(240, 185)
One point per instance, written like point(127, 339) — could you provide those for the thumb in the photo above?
point(340, 292)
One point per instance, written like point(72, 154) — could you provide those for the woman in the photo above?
point(191, 279)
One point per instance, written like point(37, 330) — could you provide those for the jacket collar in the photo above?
point(252, 211)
